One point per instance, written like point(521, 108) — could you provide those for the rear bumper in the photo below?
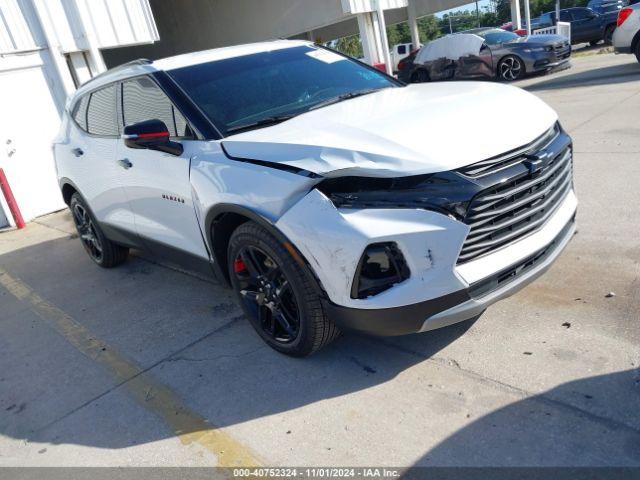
point(463, 304)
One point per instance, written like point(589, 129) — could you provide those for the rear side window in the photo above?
point(402, 49)
point(582, 14)
point(143, 100)
point(80, 112)
point(101, 114)
point(565, 17)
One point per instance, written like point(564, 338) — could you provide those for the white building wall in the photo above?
point(36, 39)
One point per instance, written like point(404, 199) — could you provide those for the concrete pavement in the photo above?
point(146, 365)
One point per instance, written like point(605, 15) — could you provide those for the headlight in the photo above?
point(444, 192)
point(538, 49)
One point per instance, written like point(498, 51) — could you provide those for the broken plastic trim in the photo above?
point(445, 192)
point(381, 266)
point(276, 166)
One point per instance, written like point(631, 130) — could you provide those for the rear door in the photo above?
point(90, 161)
point(586, 26)
point(157, 183)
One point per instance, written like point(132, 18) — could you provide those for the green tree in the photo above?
point(350, 46)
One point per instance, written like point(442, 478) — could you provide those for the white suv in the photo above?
point(327, 194)
point(626, 38)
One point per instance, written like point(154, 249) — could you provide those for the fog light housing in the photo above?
point(381, 266)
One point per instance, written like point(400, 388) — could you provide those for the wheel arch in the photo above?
point(68, 188)
point(635, 41)
point(220, 223)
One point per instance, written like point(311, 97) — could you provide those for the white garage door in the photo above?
point(28, 123)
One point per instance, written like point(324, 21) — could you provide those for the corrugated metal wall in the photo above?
point(15, 34)
point(115, 23)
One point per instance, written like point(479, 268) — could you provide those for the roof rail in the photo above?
point(139, 61)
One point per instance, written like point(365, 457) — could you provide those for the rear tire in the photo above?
point(420, 76)
point(608, 34)
point(100, 249)
point(279, 296)
point(637, 52)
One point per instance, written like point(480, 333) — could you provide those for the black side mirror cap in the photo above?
point(151, 135)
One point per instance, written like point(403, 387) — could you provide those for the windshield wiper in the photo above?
point(263, 122)
point(344, 96)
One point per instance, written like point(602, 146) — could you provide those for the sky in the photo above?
point(470, 6)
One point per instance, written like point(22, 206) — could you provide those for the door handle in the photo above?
point(125, 163)
point(77, 152)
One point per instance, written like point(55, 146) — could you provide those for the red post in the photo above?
point(11, 201)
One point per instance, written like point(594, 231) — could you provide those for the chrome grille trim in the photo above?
point(511, 210)
point(500, 162)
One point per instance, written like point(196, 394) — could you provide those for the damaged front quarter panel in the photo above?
point(333, 240)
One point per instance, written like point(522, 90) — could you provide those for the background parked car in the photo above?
point(586, 24)
point(487, 54)
point(398, 52)
point(626, 38)
point(509, 28)
point(607, 6)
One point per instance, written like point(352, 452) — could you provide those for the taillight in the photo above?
point(623, 15)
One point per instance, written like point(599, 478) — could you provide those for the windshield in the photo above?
point(253, 89)
point(493, 37)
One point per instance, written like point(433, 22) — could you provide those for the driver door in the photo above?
point(157, 183)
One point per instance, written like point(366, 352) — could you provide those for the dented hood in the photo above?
point(418, 129)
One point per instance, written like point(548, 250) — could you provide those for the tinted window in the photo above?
point(101, 115)
point(494, 37)
point(565, 17)
point(242, 90)
point(143, 100)
point(546, 19)
point(581, 14)
point(80, 112)
point(402, 49)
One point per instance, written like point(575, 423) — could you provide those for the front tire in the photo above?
point(101, 250)
point(277, 294)
point(637, 52)
point(511, 68)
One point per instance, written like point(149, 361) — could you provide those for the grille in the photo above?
point(507, 212)
point(500, 162)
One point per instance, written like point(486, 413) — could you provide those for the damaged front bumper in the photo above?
point(438, 292)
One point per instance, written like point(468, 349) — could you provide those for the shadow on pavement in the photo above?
point(628, 72)
point(149, 314)
point(541, 431)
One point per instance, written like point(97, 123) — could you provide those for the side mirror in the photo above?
point(151, 135)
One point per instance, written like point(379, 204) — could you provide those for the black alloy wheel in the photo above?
point(87, 232)
point(267, 293)
point(278, 292)
point(102, 251)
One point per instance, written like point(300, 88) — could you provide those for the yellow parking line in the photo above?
point(188, 426)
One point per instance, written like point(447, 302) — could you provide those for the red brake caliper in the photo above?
point(239, 266)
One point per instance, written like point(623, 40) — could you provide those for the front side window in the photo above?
point(251, 88)
point(101, 114)
point(143, 100)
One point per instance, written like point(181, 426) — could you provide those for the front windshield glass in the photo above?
point(494, 37)
point(243, 90)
